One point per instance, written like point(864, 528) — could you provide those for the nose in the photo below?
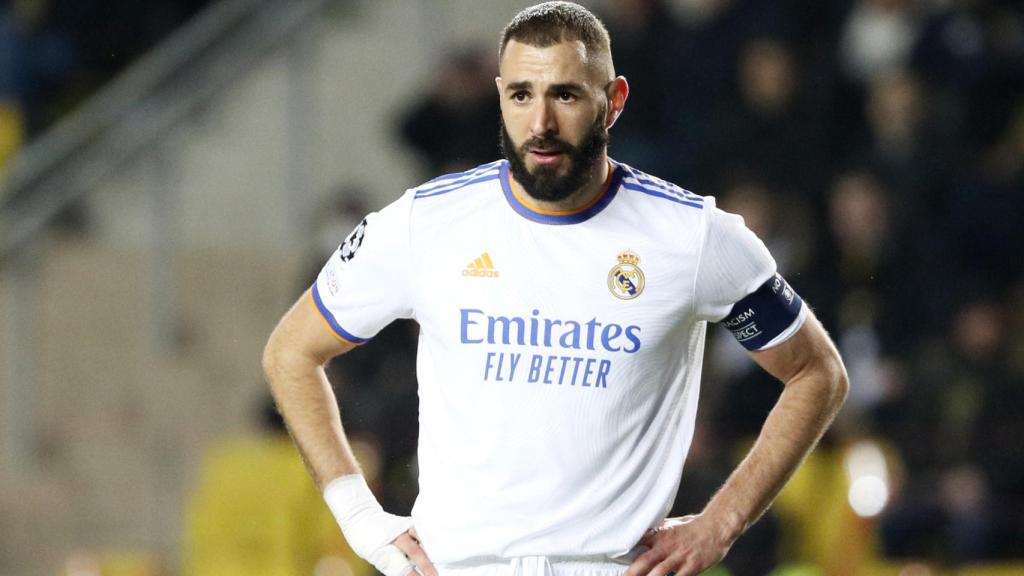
point(543, 122)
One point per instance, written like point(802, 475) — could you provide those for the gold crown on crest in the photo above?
point(629, 257)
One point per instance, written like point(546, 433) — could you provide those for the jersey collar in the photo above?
point(581, 214)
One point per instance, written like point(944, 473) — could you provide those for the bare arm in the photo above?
point(293, 363)
point(815, 387)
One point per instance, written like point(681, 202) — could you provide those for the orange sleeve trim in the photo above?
point(594, 200)
point(327, 323)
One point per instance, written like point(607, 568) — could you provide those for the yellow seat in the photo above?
point(12, 131)
point(257, 513)
point(821, 532)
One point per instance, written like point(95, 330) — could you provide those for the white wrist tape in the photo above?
point(368, 529)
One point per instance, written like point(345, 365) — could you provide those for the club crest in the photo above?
point(626, 280)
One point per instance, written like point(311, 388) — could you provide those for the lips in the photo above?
point(546, 156)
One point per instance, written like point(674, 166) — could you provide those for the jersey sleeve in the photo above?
point(366, 283)
point(738, 284)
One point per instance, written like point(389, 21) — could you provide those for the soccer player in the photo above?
point(562, 299)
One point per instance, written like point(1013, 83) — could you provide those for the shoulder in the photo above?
point(659, 191)
point(665, 193)
point(663, 208)
point(459, 181)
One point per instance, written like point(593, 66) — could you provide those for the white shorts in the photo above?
point(539, 566)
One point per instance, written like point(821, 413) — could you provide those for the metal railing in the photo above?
point(123, 123)
point(140, 106)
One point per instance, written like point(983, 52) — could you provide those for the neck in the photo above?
point(595, 187)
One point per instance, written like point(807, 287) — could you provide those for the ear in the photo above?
point(497, 82)
point(618, 91)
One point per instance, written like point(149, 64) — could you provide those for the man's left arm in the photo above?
point(815, 387)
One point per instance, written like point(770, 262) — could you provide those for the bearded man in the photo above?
point(562, 299)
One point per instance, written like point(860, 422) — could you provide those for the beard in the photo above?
point(545, 184)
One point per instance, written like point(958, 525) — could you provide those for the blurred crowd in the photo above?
point(55, 53)
point(877, 146)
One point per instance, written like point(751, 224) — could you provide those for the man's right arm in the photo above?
point(293, 363)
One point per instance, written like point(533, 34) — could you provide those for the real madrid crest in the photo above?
point(626, 280)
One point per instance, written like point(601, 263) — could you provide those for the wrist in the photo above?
point(349, 496)
point(728, 524)
point(365, 524)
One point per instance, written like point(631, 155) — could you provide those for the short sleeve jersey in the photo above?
point(559, 355)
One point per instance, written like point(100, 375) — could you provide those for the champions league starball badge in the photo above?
point(626, 280)
point(348, 249)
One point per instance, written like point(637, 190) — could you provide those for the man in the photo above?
point(562, 300)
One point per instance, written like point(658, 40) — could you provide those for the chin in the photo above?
point(559, 171)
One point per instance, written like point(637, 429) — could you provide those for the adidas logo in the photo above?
point(482, 267)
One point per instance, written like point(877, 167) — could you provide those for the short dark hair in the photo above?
point(549, 23)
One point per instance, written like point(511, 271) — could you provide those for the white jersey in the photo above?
point(559, 354)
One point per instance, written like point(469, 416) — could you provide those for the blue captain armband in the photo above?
point(767, 316)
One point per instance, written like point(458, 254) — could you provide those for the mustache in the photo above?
point(546, 145)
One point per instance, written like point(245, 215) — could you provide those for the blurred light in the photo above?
point(868, 475)
point(868, 496)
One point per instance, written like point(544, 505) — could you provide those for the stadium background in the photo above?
point(173, 173)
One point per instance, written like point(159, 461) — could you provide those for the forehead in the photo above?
point(563, 62)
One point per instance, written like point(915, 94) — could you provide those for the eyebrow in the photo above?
point(567, 87)
point(517, 86)
point(562, 86)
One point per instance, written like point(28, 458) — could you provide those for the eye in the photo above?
point(566, 96)
point(520, 96)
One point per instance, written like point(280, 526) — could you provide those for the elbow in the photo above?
point(284, 360)
point(838, 381)
point(269, 361)
point(274, 359)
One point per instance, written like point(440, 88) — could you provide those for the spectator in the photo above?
point(256, 512)
point(766, 131)
point(456, 126)
point(35, 59)
point(912, 154)
point(333, 221)
point(985, 210)
point(648, 42)
point(961, 419)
